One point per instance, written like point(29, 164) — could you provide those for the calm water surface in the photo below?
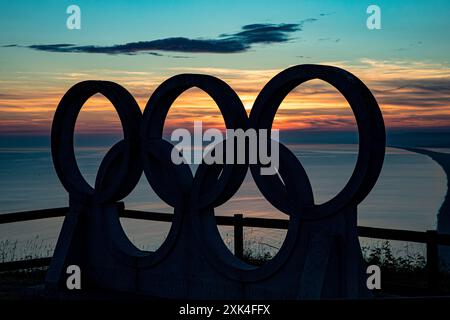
point(408, 194)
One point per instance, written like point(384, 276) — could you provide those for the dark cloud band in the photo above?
point(262, 33)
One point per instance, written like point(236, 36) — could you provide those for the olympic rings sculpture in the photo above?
point(194, 197)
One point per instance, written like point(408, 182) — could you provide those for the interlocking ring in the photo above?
point(370, 129)
point(110, 185)
point(292, 193)
point(195, 197)
point(155, 114)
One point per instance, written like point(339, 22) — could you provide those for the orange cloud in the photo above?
point(410, 94)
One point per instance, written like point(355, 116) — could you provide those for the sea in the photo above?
point(407, 196)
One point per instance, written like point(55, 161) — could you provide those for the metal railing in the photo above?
point(431, 238)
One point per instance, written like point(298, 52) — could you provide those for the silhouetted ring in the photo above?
point(62, 137)
point(215, 250)
point(154, 116)
point(370, 129)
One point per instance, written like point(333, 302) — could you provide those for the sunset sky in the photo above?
point(139, 44)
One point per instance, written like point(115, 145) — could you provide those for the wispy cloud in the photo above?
point(411, 95)
point(329, 39)
point(249, 35)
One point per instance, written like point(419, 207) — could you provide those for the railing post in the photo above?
point(432, 261)
point(120, 207)
point(239, 236)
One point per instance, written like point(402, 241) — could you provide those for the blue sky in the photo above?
point(410, 29)
point(412, 46)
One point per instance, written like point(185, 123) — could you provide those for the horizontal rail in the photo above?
point(145, 215)
point(431, 238)
point(402, 235)
point(33, 215)
point(369, 232)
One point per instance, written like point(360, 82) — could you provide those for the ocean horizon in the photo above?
point(407, 196)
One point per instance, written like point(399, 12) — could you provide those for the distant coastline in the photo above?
point(443, 159)
point(411, 139)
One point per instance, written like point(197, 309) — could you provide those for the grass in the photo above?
point(382, 255)
point(256, 252)
point(13, 250)
point(403, 269)
point(405, 265)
